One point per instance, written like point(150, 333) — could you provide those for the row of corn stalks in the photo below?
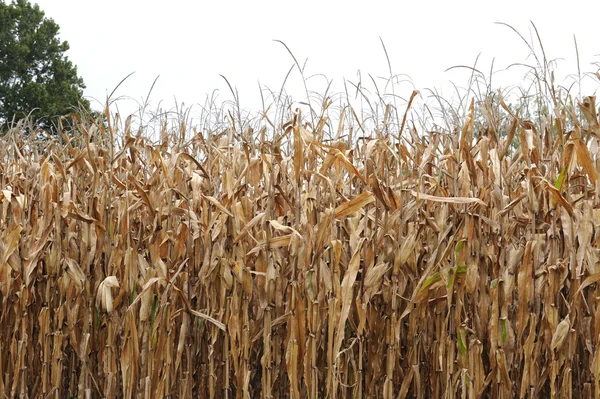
point(240, 265)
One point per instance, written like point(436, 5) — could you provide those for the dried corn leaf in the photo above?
point(354, 205)
point(450, 200)
point(560, 334)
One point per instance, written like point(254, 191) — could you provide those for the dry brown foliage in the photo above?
point(423, 265)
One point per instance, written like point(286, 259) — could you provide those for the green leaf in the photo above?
point(462, 348)
point(561, 178)
point(154, 310)
point(431, 280)
point(97, 317)
point(459, 246)
point(460, 270)
point(560, 181)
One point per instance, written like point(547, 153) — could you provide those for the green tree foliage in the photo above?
point(36, 78)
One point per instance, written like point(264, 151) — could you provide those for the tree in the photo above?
point(36, 78)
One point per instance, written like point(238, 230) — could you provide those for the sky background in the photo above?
point(190, 43)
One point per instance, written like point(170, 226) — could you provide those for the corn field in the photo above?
point(308, 263)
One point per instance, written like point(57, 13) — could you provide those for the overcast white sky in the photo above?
point(190, 43)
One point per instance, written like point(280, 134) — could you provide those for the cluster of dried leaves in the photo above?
point(423, 265)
